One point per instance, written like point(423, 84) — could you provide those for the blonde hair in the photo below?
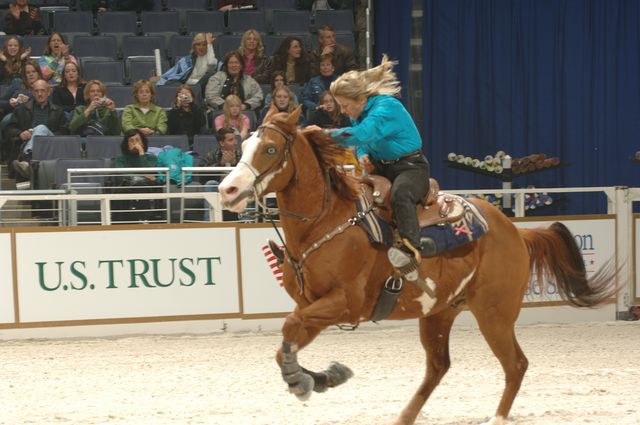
point(91, 83)
point(371, 82)
point(230, 101)
point(259, 46)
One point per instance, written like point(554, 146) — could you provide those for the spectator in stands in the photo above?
point(196, 68)
point(56, 54)
point(144, 114)
point(23, 19)
point(314, 5)
point(134, 148)
point(283, 102)
point(227, 5)
point(37, 117)
point(98, 116)
point(292, 60)
point(277, 80)
point(319, 83)
point(343, 58)
point(228, 154)
point(12, 60)
point(232, 116)
point(232, 80)
point(186, 117)
point(70, 92)
point(20, 90)
point(326, 114)
point(256, 63)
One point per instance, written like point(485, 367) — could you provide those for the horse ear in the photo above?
point(272, 110)
point(294, 116)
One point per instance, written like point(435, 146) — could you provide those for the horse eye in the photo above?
point(271, 150)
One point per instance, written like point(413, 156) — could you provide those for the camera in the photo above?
point(21, 99)
point(102, 101)
point(184, 98)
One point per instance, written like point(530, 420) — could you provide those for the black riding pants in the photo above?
point(410, 183)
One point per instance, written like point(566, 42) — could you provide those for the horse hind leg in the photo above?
point(434, 335)
point(500, 335)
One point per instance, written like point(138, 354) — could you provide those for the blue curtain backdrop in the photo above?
point(561, 77)
point(392, 29)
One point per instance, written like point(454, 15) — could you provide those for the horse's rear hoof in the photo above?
point(303, 388)
point(337, 374)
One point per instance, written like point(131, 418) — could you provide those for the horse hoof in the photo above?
point(303, 388)
point(337, 374)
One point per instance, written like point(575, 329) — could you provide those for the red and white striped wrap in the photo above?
point(272, 261)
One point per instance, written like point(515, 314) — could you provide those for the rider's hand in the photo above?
point(366, 164)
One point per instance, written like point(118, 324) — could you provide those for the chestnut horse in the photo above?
point(335, 275)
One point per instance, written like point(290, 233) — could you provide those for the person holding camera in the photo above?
point(186, 117)
point(98, 117)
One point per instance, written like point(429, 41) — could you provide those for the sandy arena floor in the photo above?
point(578, 374)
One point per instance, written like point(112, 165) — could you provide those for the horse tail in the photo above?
point(554, 251)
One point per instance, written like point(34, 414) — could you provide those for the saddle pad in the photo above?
point(378, 230)
point(471, 226)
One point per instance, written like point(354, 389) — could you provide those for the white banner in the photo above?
point(7, 314)
point(261, 290)
point(596, 239)
point(81, 275)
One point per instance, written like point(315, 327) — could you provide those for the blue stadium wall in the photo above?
point(561, 77)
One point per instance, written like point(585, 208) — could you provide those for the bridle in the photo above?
point(259, 176)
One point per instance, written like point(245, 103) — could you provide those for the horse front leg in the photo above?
point(300, 328)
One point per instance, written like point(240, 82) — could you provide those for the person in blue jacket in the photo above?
point(387, 143)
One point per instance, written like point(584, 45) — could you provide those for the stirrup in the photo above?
point(404, 263)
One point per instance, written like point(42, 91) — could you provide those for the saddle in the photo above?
point(435, 208)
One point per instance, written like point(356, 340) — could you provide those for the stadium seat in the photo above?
point(204, 143)
point(188, 4)
point(105, 46)
point(142, 46)
point(290, 21)
point(107, 70)
point(346, 39)
point(73, 22)
point(204, 21)
point(276, 4)
point(177, 141)
point(226, 43)
point(103, 147)
point(121, 95)
point(238, 21)
point(160, 22)
point(54, 147)
point(165, 95)
point(179, 46)
point(143, 68)
point(62, 165)
point(37, 43)
point(117, 23)
point(339, 20)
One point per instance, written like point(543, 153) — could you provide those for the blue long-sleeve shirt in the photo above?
point(384, 130)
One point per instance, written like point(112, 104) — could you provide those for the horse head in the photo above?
point(266, 164)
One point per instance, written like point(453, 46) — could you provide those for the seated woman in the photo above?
point(319, 83)
point(144, 114)
point(55, 55)
point(283, 101)
point(12, 59)
point(196, 68)
point(233, 117)
point(70, 92)
point(98, 117)
point(19, 91)
point(292, 60)
point(277, 81)
point(186, 117)
point(326, 113)
point(256, 63)
point(232, 80)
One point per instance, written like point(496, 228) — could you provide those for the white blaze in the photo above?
point(242, 176)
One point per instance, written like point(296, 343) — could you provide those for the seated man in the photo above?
point(37, 117)
point(343, 58)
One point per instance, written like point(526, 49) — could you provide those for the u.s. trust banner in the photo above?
point(6, 280)
point(85, 275)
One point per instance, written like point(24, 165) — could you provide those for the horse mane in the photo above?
point(327, 153)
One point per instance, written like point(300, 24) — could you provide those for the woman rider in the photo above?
point(388, 143)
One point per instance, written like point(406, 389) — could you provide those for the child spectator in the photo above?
point(12, 59)
point(232, 116)
point(319, 83)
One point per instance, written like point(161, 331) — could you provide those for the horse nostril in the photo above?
point(230, 190)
